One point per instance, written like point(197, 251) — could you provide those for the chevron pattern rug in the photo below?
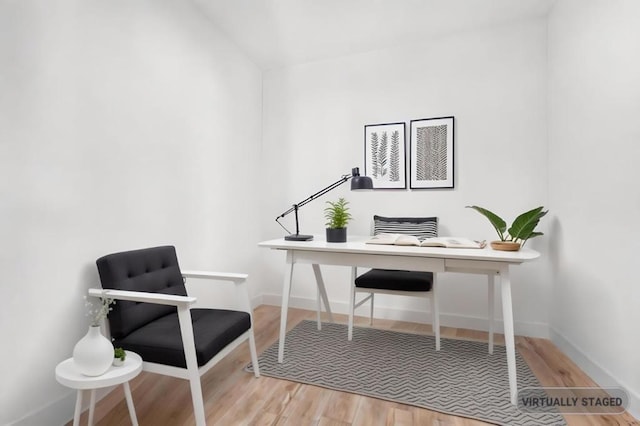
point(462, 379)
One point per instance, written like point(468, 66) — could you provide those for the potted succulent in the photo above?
point(337, 215)
point(119, 355)
point(522, 228)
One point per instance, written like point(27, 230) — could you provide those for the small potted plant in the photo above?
point(119, 356)
point(337, 215)
point(522, 228)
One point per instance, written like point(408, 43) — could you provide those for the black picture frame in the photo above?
point(385, 155)
point(431, 153)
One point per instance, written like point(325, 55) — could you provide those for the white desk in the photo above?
point(356, 253)
point(67, 375)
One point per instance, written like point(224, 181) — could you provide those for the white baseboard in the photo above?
point(60, 411)
point(530, 329)
point(598, 373)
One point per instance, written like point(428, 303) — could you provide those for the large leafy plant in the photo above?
point(522, 228)
point(337, 214)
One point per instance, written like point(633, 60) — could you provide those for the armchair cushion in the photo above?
point(153, 270)
point(386, 279)
point(161, 342)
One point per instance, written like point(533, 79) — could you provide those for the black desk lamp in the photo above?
point(357, 182)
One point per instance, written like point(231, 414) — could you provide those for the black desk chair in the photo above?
point(405, 283)
point(153, 316)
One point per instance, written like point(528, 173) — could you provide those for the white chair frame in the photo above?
point(184, 305)
point(431, 295)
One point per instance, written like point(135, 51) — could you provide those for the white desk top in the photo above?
point(67, 375)
point(356, 245)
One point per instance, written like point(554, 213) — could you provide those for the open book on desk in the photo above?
point(410, 240)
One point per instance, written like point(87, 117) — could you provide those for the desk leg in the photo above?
point(78, 411)
point(507, 317)
point(435, 306)
point(286, 292)
point(92, 405)
point(491, 314)
point(323, 290)
point(129, 398)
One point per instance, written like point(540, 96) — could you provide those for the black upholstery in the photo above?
point(160, 341)
point(152, 330)
point(386, 279)
point(153, 270)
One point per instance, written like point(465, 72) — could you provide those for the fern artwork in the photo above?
point(385, 155)
point(431, 150)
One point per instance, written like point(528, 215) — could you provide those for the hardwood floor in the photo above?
point(234, 397)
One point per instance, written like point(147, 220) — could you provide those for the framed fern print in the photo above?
point(431, 153)
point(384, 155)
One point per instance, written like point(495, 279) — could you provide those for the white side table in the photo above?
point(67, 375)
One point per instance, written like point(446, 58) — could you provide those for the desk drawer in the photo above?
point(381, 261)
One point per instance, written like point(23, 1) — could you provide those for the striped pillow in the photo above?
point(421, 227)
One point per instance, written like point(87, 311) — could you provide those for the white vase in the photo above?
point(93, 354)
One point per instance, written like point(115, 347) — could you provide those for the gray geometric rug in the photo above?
point(461, 379)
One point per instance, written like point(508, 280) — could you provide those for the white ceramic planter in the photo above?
point(93, 354)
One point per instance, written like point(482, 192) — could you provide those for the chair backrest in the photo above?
point(421, 227)
point(153, 270)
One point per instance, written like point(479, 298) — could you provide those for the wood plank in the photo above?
point(308, 403)
point(341, 406)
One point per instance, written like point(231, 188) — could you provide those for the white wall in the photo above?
point(492, 81)
point(594, 130)
point(122, 125)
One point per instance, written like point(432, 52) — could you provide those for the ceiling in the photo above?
point(276, 33)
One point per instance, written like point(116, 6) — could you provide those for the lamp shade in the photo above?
point(360, 182)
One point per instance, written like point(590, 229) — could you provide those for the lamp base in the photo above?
point(298, 237)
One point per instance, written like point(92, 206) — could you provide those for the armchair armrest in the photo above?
point(140, 296)
point(240, 281)
point(223, 276)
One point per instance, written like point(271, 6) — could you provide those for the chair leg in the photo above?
point(435, 312)
point(196, 396)
point(254, 354)
point(371, 309)
point(352, 302)
point(186, 330)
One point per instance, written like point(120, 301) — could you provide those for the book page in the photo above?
point(407, 240)
point(383, 239)
point(452, 242)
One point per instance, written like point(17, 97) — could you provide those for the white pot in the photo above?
point(93, 354)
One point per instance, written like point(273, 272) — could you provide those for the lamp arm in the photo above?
point(320, 193)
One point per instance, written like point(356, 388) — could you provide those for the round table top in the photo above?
point(68, 375)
